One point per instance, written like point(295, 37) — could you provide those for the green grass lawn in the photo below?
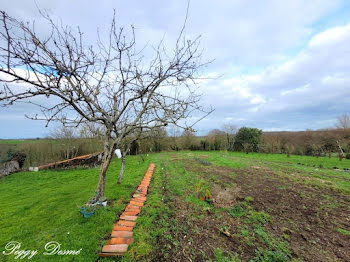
point(39, 207)
point(19, 141)
point(310, 161)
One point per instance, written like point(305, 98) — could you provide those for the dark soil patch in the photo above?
point(224, 192)
point(218, 174)
point(303, 212)
point(193, 238)
point(306, 217)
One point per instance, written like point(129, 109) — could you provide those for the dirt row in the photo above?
point(307, 217)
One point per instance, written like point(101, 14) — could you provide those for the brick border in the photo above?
point(122, 235)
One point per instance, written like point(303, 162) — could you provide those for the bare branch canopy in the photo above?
point(110, 83)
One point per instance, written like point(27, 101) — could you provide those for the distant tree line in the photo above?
point(64, 143)
point(326, 142)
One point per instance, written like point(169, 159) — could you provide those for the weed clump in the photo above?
point(203, 161)
point(259, 217)
point(269, 255)
point(239, 210)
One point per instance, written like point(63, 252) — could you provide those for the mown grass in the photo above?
point(309, 161)
point(23, 141)
point(40, 207)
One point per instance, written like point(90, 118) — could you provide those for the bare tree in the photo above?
point(136, 136)
point(230, 131)
point(217, 139)
point(343, 122)
point(174, 138)
point(67, 136)
point(111, 83)
point(188, 139)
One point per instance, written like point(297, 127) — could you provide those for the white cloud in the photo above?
point(308, 89)
point(330, 37)
point(261, 82)
point(301, 89)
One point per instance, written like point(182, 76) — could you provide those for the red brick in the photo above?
point(132, 206)
point(122, 228)
point(136, 203)
point(139, 195)
point(126, 223)
point(120, 248)
point(132, 212)
point(128, 217)
point(109, 254)
point(124, 234)
point(120, 240)
point(137, 199)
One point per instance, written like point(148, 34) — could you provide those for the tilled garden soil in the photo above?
point(307, 217)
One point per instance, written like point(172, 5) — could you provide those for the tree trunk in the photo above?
point(106, 160)
point(340, 149)
point(121, 170)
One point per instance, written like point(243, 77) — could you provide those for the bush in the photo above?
point(248, 139)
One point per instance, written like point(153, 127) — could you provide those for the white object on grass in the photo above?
point(118, 153)
point(104, 203)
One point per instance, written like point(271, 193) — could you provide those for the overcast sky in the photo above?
point(279, 65)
